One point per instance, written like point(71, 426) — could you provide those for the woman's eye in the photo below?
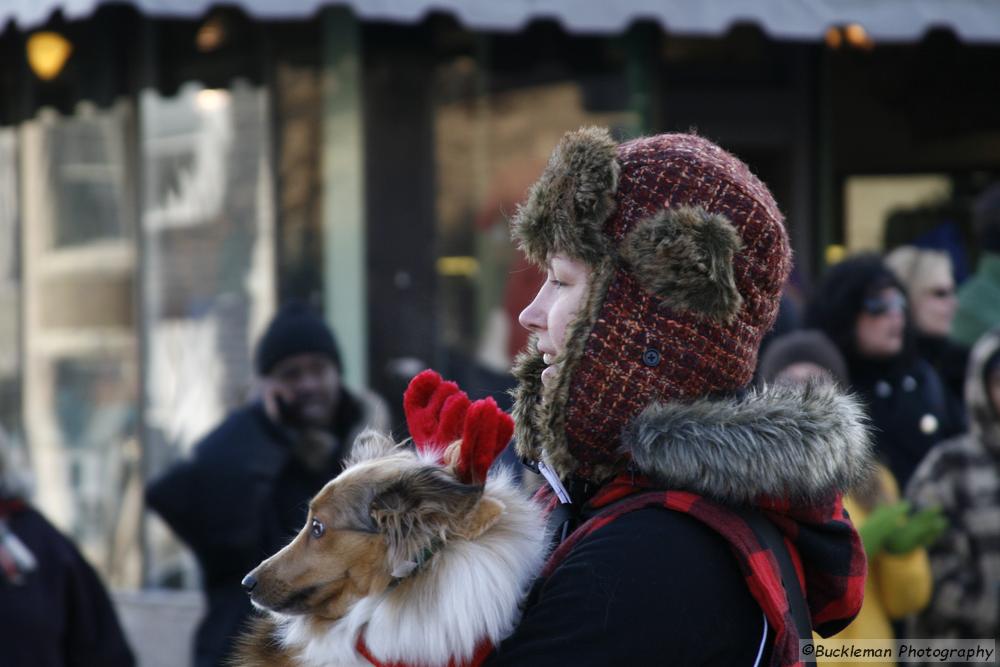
point(317, 529)
point(557, 283)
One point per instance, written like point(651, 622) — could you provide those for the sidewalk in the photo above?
point(160, 624)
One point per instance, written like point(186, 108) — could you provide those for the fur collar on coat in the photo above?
point(800, 443)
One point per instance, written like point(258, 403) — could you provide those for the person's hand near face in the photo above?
point(554, 308)
point(302, 392)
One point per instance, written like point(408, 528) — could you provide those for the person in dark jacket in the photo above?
point(861, 306)
point(243, 494)
point(54, 610)
point(665, 259)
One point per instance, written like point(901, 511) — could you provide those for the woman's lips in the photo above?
point(551, 368)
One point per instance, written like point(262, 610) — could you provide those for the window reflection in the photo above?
point(10, 287)
point(80, 349)
point(207, 274)
point(491, 145)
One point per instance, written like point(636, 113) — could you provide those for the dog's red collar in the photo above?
point(483, 650)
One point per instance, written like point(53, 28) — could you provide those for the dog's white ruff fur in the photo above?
point(469, 591)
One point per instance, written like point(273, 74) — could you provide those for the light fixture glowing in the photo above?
point(211, 99)
point(857, 36)
point(210, 35)
point(835, 252)
point(47, 54)
point(458, 266)
point(833, 38)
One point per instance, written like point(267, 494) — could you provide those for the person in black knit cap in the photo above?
point(243, 494)
point(861, 306)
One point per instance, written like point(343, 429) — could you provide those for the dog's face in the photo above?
point(367, 528)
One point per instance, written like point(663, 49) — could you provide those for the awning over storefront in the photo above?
point(803, 20)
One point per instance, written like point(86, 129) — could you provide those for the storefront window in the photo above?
point(10, 288)
point(80, 349)
point(869, 202)
point(208, 273)
point(494, 131)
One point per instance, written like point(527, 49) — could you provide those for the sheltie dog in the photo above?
point(399, 562)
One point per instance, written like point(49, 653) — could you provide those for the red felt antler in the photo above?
point(438, 413)
point(488, 429)
point(435, 411)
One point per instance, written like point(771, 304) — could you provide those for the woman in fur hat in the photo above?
point(679, 495)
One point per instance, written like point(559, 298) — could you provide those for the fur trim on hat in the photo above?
point(800, 442)
point(568, 206)
point(685, 257)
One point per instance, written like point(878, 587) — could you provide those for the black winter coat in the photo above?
point(654, 587)
point(60, 615)
point(239, 499)
point(911, 410)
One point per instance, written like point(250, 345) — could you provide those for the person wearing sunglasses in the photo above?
point(927, 276)
point(862, 307)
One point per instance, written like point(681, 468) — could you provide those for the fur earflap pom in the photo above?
point(567, 207)
point(685, 257)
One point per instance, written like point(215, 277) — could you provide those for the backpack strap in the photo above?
point(769, 536)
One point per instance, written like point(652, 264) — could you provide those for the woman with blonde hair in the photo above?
point(927, 276)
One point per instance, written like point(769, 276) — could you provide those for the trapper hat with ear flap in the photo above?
point(688, 255)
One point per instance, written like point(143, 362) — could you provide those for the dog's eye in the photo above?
point(317, 529)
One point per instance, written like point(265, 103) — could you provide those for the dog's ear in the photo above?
point(370, 444)
point(421, 509)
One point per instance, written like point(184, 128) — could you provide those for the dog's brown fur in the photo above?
point(383, 515)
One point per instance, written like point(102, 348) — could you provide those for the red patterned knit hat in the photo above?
point(688, 255)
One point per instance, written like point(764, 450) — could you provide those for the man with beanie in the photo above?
point(979, 298)
point(681, 498)
point(245, 490)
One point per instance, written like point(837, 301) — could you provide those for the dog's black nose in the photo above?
point(249, 582)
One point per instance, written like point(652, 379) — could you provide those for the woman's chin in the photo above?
point(549, 374)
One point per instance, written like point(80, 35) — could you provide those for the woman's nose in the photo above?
point(533, 317)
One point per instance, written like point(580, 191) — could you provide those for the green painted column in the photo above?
point(345, 284)
point(640, 44)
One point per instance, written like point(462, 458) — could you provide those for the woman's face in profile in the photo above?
point(554, 307)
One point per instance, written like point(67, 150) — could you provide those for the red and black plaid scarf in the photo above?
point(824, 547)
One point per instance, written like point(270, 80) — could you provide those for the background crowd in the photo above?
point(925, 358)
